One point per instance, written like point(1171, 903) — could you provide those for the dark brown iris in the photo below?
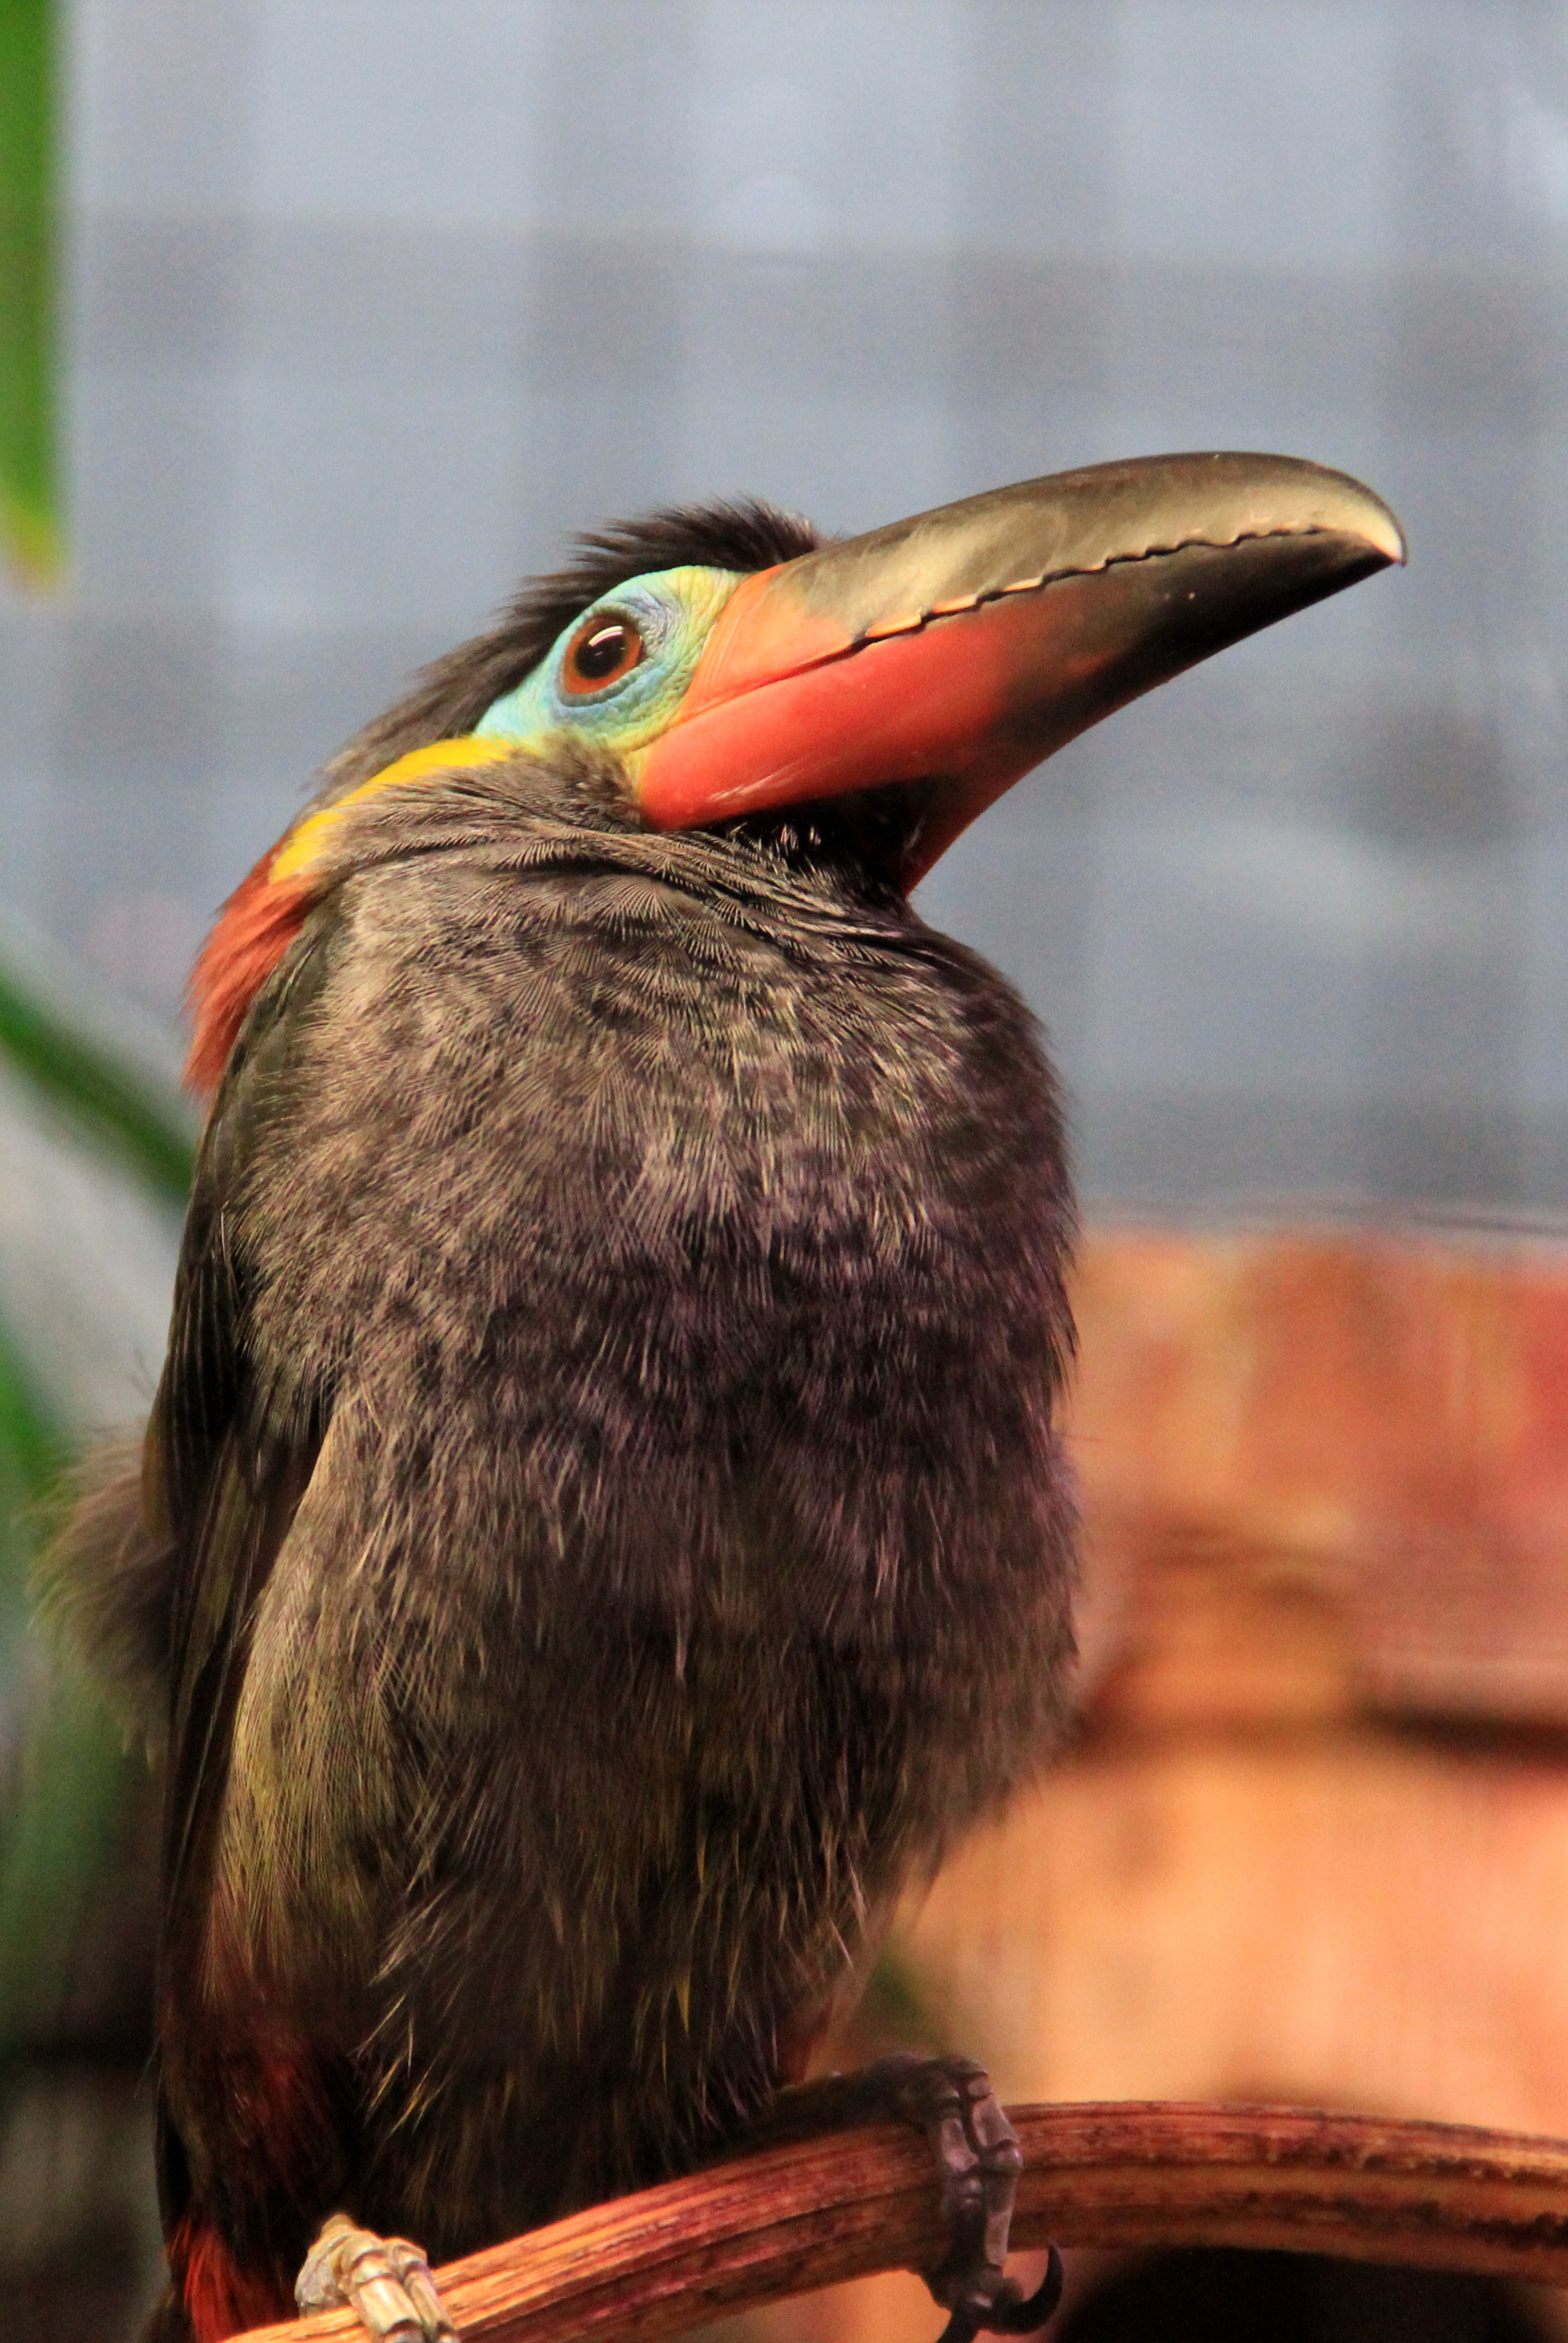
point(602, 651)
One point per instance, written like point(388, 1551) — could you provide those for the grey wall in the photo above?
point(372, 302)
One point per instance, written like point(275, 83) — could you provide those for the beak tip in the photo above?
point(1360, 512)
point(1388, 538)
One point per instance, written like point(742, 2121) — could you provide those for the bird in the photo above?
point(603, 1528)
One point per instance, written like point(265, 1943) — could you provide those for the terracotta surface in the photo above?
point(1368, 1433)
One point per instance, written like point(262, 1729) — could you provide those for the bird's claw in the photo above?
point(977, 2154)
point(385, 2279)
point(1008, 2312)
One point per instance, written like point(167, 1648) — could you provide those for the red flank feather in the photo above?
point(254, 929)
point(220, 2299)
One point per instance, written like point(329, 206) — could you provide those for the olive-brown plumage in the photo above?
point(602, 1527)
point(606, 1446)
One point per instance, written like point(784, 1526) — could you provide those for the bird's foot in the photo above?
point(978, 2154)
point(977, 2157)
point(385, 2279)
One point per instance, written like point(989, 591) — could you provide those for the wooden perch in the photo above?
point(1114, 2173)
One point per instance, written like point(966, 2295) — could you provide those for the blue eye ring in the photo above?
point(646, 635)
point(606, 648)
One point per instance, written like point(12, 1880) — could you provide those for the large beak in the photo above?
point(950, 653)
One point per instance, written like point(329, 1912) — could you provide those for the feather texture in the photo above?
point(606, 1452)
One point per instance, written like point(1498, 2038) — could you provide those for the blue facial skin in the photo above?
point(674, 612)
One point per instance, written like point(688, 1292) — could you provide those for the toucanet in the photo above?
point(603, 1529)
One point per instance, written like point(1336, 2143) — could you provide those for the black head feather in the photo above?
point(452, 693)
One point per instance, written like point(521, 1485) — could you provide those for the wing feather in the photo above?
point(223, 1485)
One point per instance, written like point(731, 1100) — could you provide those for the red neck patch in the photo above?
point(254, 929)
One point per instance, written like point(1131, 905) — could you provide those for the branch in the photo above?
point(1112, 2173)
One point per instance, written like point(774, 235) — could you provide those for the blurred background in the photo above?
point(320, 325)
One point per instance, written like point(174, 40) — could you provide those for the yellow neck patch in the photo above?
point(303, 843)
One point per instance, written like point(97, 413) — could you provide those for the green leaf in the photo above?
point(29, 244)
point(33, 1444)
point(72, 1799)
point(147, 1132)
point(34, 1451)
point(74, 1787)
point(75, 1794)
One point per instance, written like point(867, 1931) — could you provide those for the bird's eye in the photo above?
point(603, 649)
